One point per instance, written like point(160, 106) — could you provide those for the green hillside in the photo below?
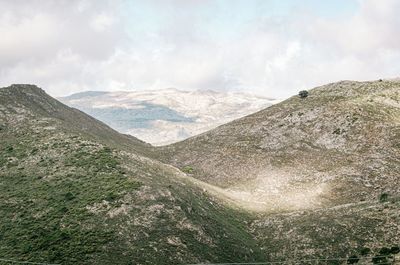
point(70, 196)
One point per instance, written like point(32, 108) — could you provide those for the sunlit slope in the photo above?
point(72, 193)
point(338, 145)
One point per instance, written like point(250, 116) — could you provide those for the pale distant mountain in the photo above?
point(169, 115)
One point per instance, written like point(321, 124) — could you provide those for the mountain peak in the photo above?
point(30, 97)
point(27, 93)
point(25, 88)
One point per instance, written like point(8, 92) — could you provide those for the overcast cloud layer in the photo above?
point(272, 48)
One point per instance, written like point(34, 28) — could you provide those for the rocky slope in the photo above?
point(369, 231)
point(73, 191)
point(339, 145)
point(306, 181)
point(322, 172)
point(167, 115)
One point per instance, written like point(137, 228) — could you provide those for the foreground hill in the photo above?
point(166, 115)
point(307, 181)
point(72, 193)
point(339, 145)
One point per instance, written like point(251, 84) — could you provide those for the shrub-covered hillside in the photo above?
point(68, 197)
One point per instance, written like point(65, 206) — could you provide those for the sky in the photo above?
point(272, 48)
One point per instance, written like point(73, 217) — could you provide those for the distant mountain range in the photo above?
point(166, 116)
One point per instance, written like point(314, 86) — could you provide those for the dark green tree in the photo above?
point(303, 94)
point(384, 197)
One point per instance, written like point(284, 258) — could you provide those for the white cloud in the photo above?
point(102, 22)
point(69, 46)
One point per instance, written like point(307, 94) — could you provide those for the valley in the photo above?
point(305, 179)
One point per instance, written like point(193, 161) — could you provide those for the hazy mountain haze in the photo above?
point(168, 115)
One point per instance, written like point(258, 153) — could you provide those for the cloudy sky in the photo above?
point(268, 47)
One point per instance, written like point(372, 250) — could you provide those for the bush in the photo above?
point(395, 250)
point(379, 260)
point(384, 251)
point(353, 259)
point(365, 251)
point(384, 197)
point(69, 196)
point(382, 256)
point(188, 169)
point(303, 93)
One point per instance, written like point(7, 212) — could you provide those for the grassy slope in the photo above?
point(68, 197)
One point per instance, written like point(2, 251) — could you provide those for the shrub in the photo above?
point(384, 251)
point(353, 259)
point(365, 251)
point(379, 260)
point(188, 169)
point(69, 196)
point(384, 197)
point(382, 256)
point(303, 93)
point(395, 250)
point(111, 196)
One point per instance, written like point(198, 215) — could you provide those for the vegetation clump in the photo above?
point(382, 256)
point(353, 259)
point(395, 250)
point(384, 197)
point(303, 94)
point(188, 169)
point(365, 251)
